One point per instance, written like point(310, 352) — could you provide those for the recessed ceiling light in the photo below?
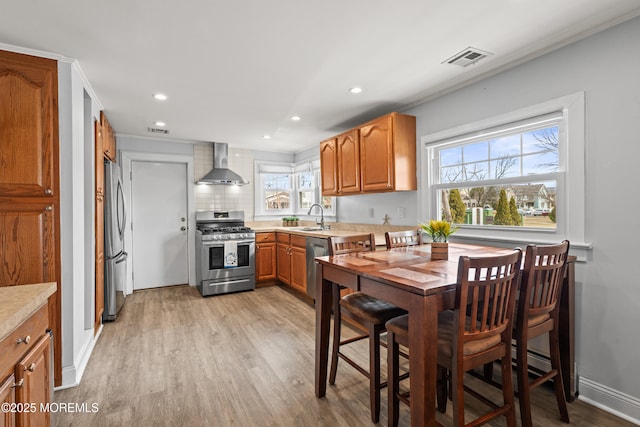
point(296, 118)
point(266, 136)
point(161, 124)
point(355, 90)
point(160, 96)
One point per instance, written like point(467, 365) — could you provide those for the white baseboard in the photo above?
point(71, 375)
point(620, 404)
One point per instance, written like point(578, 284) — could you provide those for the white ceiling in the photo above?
point(237, 70)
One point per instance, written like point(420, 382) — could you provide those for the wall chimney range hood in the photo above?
point(221, 174)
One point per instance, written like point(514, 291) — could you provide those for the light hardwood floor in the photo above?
point(175, 358)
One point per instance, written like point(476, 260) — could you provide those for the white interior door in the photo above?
point(159, 224)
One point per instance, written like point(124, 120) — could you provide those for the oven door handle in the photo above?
point(218, 243)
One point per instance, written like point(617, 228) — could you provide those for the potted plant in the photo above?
point(439, 232)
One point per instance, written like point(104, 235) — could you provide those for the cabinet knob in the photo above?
point(183, 228)
point(18, 384)
point(31, 367)
point(48, 192)
point(25, 340)
point(49, 208)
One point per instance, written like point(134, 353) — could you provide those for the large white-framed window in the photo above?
point(289, 189)
point(517, 177)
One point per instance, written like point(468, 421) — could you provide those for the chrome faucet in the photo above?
point(321, 214)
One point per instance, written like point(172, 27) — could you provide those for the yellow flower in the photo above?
point(439, 231)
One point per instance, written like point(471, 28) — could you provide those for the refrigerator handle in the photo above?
point(122, 225)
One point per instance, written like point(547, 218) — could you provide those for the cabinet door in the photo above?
point(348, 162)
point(108, 138)
point(28, 125)
point(299, 268)
point(329, 167)
point(27, 243)
point(265, 261)
point(284, 263)
point(376, 155)
point(7, 396)
point(33, 371)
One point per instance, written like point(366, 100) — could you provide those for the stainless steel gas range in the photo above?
point(225, 253)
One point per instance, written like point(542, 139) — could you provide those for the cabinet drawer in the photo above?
point(265, 237)
point(11, 350)
point(298, 241)
point(282, 238)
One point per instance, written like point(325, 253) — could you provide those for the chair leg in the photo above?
point(393, 379)
point(558, 383)
point(524, 392)
point(458, 395)
point(507, 388)
point(337, 324)
point(374, 372)
point(442, 394)
point(488, 371)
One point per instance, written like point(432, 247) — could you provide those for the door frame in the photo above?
point(126, 159)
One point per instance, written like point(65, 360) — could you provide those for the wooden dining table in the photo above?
point(407, 278)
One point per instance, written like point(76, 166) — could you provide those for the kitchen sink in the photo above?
point(310, 229)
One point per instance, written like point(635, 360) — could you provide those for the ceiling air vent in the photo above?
point(466, 57)
point(158, 130)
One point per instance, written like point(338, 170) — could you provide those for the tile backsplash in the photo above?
point(225, 197)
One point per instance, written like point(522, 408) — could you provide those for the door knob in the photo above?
point(183, 228)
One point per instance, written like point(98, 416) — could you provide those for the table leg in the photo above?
point(323, 321)
point(423, 348)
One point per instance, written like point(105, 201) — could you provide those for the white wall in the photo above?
point(606, 67)
point(76, 199)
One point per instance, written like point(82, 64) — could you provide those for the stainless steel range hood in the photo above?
point(221, 174)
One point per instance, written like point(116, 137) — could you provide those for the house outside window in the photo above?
point(508, 177)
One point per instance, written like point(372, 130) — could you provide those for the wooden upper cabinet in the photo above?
point(329, 167)
point(28, 125)
point(377, 156)
point(27, 244)
point(348, 149)
point(388, 153)
point(108, 138)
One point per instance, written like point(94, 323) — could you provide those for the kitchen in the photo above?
point(605, 295)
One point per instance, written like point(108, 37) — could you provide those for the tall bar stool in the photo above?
point(399, 239)
point(537, 314)
point(368, 313)
point(477, 331)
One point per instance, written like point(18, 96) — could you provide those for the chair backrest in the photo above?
point(357, 243)
point(542, 278)
point(398, 239)
point(485, 298)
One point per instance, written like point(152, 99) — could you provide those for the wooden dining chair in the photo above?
point(368, 313)
point(476, 331)
point(537, 314)
point(398, 239)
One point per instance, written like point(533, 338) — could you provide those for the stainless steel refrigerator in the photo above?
point(115, 219)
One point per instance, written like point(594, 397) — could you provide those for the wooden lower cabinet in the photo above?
point(265, 257)
point(25, 373)
point(8, 397)
point(292, 260)
point(33, 373)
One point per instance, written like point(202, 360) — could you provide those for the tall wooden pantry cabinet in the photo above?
point(29, 180)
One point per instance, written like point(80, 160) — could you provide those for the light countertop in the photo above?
point(18, 303)
point(379, 235)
